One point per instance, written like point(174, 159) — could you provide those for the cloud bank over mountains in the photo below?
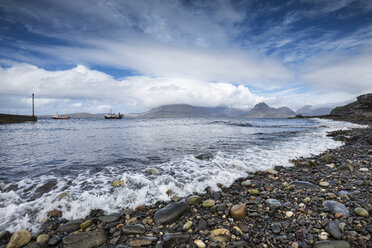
point(134, 55)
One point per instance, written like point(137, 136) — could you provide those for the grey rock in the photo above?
point(84, 240)
point(331, 244)
point(333, 229)
point(238, 244)
point(171, 212)
point(304, 185)
point(70, 226)
point(109, 218)
point(336, 207)
point(54, 240)
point(193, 200)
point(273, 203)
point(172, 239)
point(134, 229)
point(275, 228)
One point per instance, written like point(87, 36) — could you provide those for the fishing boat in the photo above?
point(114, 116)
point(61, 117)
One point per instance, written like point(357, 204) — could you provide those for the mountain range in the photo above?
point(308, 110)
point(260, 110)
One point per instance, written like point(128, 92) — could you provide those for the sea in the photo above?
point(71, 164)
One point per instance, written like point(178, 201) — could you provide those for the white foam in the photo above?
point(183, 176)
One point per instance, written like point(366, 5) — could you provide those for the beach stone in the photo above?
point(171, 212)
point(307, 200)
point(254, 192)
point(331, 244)
point(118, 183)
point(333, 229)
point(153, 171)
point(289, 214)
point(323, 236)
point(19, 239)
point(273, 203)
point(133, 229)
point(42, 238)
point(363, 169)
point(237, 244)
point(327, 158)
point(199, 243)
point(193, 200)
point(238, 212)
point(109, 218)
point(275, 228)
point(346, 167)
point(140, 242)
point(271, 172)
point(172, 239)
point(187, 225)
point(219, 235)
point(304, 185)
point(84, 240)
point(324, 184)
point(70, 226)
point(246, 183)
point(361, 212)
point(54, 213)
point(209, 203)
point(54, 240)
point(336, 207)
point(85, 224)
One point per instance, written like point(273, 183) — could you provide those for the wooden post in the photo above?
point(33, 104)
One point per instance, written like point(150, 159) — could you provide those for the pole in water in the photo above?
point(33, 104)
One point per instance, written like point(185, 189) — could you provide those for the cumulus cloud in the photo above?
point(82, 89)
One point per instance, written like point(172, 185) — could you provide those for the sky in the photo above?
point(134, 55)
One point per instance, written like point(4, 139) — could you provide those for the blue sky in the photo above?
point(90, 56)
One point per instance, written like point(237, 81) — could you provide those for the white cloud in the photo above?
point(340, 72)
point(81, 89)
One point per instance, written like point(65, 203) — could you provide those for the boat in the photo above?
point(61, 117)
point(114, 116)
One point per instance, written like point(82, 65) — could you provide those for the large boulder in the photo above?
point(84, 240)
point(171, 212)
point(19, 239)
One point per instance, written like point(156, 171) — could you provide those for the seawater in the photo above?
point(82, 157)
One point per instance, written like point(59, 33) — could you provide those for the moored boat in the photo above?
point(60, 117)
point(114, 116)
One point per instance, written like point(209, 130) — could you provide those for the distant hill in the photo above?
point(360, 109)
point(77, 115)
point(308, 110)
point(262, 110)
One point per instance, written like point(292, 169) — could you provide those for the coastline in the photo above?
point(297, 218)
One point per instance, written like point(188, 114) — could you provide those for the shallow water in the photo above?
point(82, 157)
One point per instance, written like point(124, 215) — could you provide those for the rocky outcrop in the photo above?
point(360, 109)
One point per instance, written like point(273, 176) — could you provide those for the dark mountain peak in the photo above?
point(261, 105)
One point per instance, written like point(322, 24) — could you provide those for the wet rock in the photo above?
point(193, 200)
point(70, 226)
point(254, 192)
point(54, 240)
point(47, 187)
point(19, 239)
point(42, 238)
point(172, 239)
point(361, 212)
point(273, 203)
point(84, 240)
point(208, 203)
point(336, 207)
point(275, 228)
point(327, 158)
point(271, 172)
point(199, 243)
point(5, 236)
point(134, 229)
point(187, 225)
point(324, 184)
point(153, 171)
point(85, 224)
point(238, 212)
point(206, 156)
point(109, 218)
point(331, 244)
point(333, 229)
point(246, 183)
point(323, 236)
point(289, 214)
point(304, 185)
point(141, 242)
point(346, 167)
point(55, 213)
point(171, 212)
point(219, 235)
point(118, 183)
point(237, 244)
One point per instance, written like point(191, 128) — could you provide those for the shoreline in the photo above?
point(296, 218)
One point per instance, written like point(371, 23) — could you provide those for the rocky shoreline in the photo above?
point(322, 201)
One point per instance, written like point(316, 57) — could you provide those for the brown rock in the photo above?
point(238, 212)
point(19, 239)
